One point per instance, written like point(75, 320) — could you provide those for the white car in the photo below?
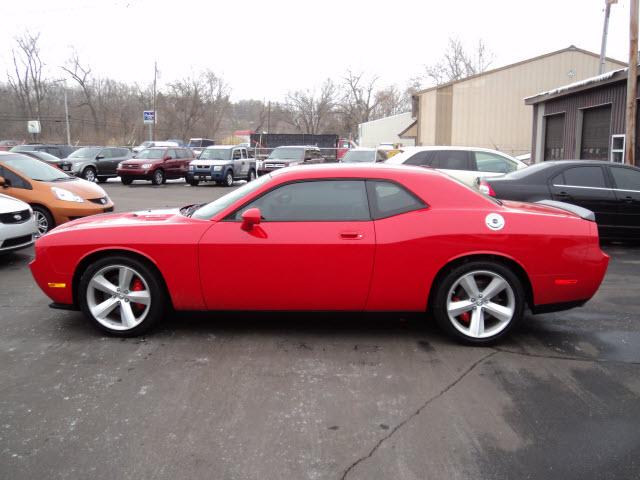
point(17, 224)
point(150, 144)
point(464, 163)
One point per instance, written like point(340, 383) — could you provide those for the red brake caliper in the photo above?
point(465, 317)
point(137, 286)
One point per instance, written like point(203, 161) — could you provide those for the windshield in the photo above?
point(210, 209)
point(35, 169)
point(215, 154)
point(151, 153)
point(356, 156)
point(86, 152)
point(282, 153)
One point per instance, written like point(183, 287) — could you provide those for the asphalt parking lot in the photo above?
point(316, 396)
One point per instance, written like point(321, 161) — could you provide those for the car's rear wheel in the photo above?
point(228, 178)
point(89, 174)
point(158, 177)
point(252, 175)
point(126, 180)
point(479, 302)
point(121, 296)
point(44, 219)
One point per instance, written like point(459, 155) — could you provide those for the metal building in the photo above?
point(582, 120)
point(487, 110)
point(385, 130)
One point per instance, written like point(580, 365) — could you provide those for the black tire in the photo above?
point(103, 179)
point(193, 182)
point(512, 298)
point(44, 219)
point(252, 175)
point(126, 180)
point(158, 177)
point(158, 302)
point(89, 174)
point(228, 179)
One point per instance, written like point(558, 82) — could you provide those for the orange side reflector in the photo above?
point(561, 281)
point(57, 285)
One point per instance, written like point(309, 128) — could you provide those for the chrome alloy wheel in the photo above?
point(41, 222)
point(118, 297)
point(481, 304)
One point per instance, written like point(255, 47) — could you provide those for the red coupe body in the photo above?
point(384, 264)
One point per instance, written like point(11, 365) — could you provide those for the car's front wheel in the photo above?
point(252, 175)
point(44, 219)
point(89, 174)
point(228, 179)
point(193, 182)
point(479, 302)
point(121, 296)
point(158, 177)
point(126, 180)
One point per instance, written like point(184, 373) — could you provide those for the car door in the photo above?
point(313, 251)
point(117, 155)
point(587, 186)
point(245, 162)
point(236, 156)
point(103, 161)
point(172, 162)
point(626, 183)
point(15, 185)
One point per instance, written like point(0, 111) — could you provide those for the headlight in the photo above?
point(217, 168)
point(192, 167)
point(147, 165)
point(258, 164)
point(66, 195)
point(120, 165)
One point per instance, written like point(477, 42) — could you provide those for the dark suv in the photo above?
point(282, 157)
point(222, 164)
point(97, 163)
point(60, 151)
point(156, 164)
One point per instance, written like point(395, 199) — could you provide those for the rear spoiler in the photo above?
point(568, 207)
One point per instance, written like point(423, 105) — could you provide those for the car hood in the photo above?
point(109, 220)
point(9, 204)
point(210, 162)
point(80, 187)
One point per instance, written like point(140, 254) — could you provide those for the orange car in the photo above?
point(55, 197)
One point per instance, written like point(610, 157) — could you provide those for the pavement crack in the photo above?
point(564, 357)
point(417, 412)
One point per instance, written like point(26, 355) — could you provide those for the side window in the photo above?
point(420, 158)
point(105, 153)
point(626, 178)
point(236, 154)
point(558, 180)
point(244, 153)
point(380, 156)
point(55, 151)
point(15, 180)
point(389, 199)
point(488, 162)
point(171, 153)
point(451, 160)
point(585, 177)
point(314, 201)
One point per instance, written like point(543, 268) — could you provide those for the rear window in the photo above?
point(389, 199)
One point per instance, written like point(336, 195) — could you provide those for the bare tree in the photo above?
point(309, 112)
point(26, 80)
point(81, 74)
point(456, 63)
point(391, 101)
point(215, 96)
point(359, 100)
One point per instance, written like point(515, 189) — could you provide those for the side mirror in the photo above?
point(168, 157)
point(99, 157)
point(250, 218)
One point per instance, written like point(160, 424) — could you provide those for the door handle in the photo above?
point(628, 199)
point(351, 236)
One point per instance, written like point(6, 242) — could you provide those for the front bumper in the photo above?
point(14, 236)
point(137, 173)
point(65, 213)
point(204, 175)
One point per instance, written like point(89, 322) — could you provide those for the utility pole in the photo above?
point(66, 115)
point(152, 130)
point(269, 118)
point(632, 86)
point(605, 32)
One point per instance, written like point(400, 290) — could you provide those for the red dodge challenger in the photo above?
point(330, 237)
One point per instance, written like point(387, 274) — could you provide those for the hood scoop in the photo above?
point(154, 215)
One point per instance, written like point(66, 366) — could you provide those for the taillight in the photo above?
point(485, 188)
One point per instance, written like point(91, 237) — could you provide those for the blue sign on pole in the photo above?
point(149, 116)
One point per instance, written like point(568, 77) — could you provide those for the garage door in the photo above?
point(554, 137)
point(596, 127)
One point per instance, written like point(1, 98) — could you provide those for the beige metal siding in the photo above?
point(427, 119)
point(444, 104)
point(489, 110)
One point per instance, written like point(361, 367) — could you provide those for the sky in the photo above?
point(267, 48)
